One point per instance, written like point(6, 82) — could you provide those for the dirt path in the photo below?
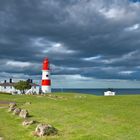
point(3, 107)
point(5, 102)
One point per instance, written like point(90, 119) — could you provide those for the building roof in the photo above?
point(12, 84)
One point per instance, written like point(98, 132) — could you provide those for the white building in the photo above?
point(109, 93)
point(8, 87)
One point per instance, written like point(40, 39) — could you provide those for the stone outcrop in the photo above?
point(23, 113)
point(1, 138)
point(12, 105)
point(28, 122)
point(45, 129)
point(16, 111)
point(11, 109)
point(27, 103)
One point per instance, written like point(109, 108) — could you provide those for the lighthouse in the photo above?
point(46, 82)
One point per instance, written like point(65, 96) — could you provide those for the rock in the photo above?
point(27, 103)
point(12, 105)
point(16, 111)
point(11, 109)
point(23, 113)
point(1, 138)
point(61, 97)
point(45, 129)
point(55, 96)
point(28, 122)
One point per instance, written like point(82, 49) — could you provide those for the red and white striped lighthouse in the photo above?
point(46, 82)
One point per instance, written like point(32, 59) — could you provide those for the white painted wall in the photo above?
point(46, 76)
point(109, 93)
point(11, 89)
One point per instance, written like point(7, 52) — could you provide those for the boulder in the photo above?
point(45, 129)
point(28, 122)
point(12, 105)
point(16, 111)
point(61, 97)
point(11, 109)
point(27, 103)
point(23, 113)
point(1, 138)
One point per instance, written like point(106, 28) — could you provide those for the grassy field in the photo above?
point(77, 117)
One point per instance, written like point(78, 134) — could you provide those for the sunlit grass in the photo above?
point(76, 116)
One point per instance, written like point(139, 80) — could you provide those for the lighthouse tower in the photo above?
point(46, 82)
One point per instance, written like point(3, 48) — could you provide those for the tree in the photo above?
point(22, 86)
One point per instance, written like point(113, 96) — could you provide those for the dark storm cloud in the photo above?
point(72, 34)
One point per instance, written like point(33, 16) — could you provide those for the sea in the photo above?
point(98, 92)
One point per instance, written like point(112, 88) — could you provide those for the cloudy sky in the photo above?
point(90, 43)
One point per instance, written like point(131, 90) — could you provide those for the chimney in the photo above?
point(4, 81)
point(31, 80)
point(28, 80)
point(10, 80)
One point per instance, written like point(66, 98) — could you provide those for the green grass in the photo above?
point(77, 117)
